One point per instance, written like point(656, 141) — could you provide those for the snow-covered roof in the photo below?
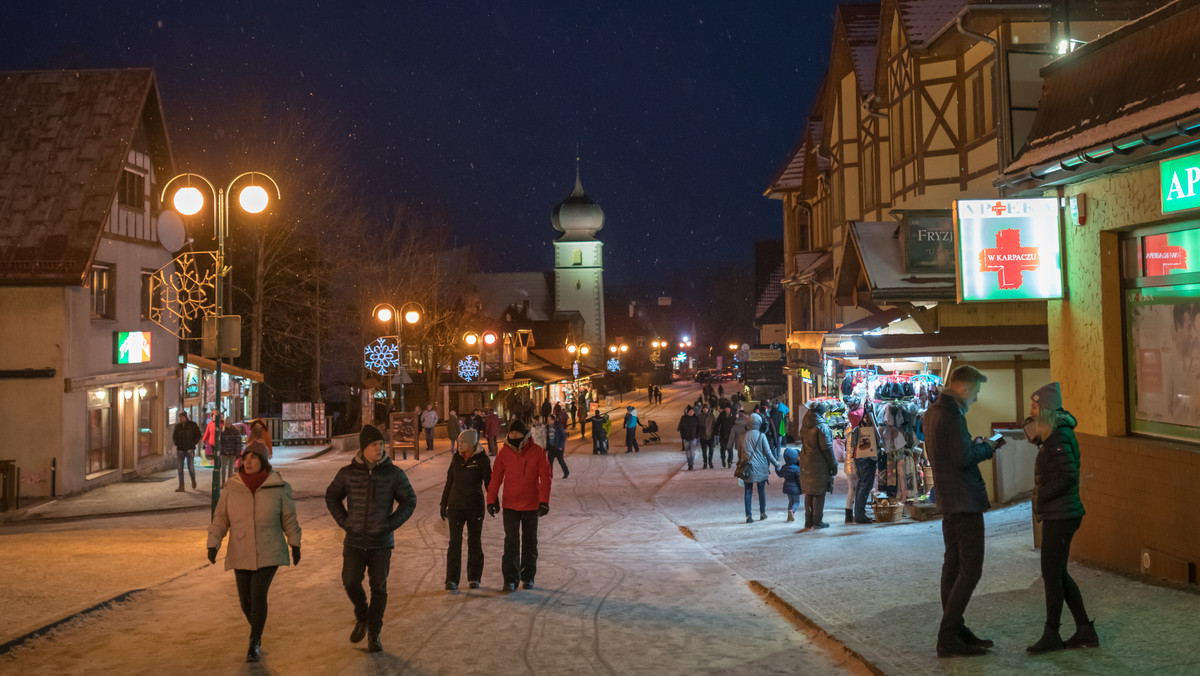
point(499, 290)
point(861, 23)
point(1129, 81)
point(64, 139)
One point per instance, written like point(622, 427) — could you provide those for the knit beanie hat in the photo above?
point(468, 438)
point(369, 435)
point(1049, 397)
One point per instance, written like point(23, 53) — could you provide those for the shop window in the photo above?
point(146, 407)
point(1162, 319)
point(102, 277)
point(101, 449)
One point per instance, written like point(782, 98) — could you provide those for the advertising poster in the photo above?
point(1164, 359)
point(1008, 249)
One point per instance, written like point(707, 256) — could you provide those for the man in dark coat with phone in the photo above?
point(962, 498)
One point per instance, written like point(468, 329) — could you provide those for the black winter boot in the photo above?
point(253, 651)
point(1049, 642)
point(1085, 636)
point(849, 516)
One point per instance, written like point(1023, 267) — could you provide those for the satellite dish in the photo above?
point(170, 231)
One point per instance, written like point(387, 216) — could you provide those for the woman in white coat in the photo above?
point(257, 511)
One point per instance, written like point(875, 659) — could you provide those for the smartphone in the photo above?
point(996, 437)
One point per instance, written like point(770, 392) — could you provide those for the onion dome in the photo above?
point(577, 217)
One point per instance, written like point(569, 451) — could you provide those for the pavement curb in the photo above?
point(41, 631)
point(790, 611)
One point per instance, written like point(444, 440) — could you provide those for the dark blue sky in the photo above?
point(682, 111)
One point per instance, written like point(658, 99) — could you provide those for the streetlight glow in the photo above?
point(733, 346)
point(571, 348)
point(412, 316)
point(584, 349)
point(471, 338)
point(489, 337)
point(253, 199)
point(188, 201)
point(384, 314)
point(624, 348)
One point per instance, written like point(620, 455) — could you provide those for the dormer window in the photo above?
point(576, 257)
point(132, 191)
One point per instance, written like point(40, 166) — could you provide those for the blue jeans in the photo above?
point(186, 456)
point(429, 438)
point(865, 469)
point(793, 502)
point(689, 447)
point(762, 496)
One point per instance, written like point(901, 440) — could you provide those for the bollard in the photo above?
point(53, 476)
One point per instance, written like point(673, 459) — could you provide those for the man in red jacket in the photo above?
point(522, 468)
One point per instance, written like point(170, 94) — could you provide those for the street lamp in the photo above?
point(410, 313)
point(189, 200)
point(482, 340)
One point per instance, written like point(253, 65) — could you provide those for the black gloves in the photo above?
point(295, 556)
point(212, 554)
point(443, 512)
point(493, 508)
point(543, 508)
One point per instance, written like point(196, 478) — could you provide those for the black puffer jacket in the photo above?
point(465, 482)
point(1056, 474)
point(955, 457)
point(689, 427)
point(361, 498)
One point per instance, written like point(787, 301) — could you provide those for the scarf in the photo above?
point(253, 481)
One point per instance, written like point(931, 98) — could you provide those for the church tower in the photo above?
point(579, 264)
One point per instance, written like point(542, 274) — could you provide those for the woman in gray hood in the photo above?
point(755, 452)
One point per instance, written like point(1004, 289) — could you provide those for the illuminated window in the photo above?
point(101, 451)
point(576, 257)
point(102, 277)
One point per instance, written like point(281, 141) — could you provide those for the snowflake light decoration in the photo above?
point(383, 356)
point(614, 364)
point(182, 290)
point(468, 368)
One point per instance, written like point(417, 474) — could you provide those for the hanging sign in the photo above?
point(1008, 249)
point(131, 347)
point(1180, 183)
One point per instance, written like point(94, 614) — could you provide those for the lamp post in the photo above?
point(410, 313)
point(188, 201)
point(482, 341)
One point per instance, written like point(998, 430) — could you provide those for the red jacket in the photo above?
point(525, 475)
point(491, 426)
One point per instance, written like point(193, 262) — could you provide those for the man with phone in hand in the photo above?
point(962, 498)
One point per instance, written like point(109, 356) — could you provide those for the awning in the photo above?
point(955, 341)
point(547, 374)
point(211, 365)
point(874, 322)
point(876, 246)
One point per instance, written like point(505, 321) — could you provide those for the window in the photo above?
point(101, 451)
point(1161, 270)
point(147, 405)
point(102, 291)
point(132, 191)
point(151, 301)
point(641, 341)
point(981, 115)
point(576, 257)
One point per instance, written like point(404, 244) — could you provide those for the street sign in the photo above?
point(1180, 183)
point(402, 377)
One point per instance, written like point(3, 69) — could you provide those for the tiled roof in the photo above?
point(924, 19)
point(770, 293)
point(64, 138)
point(1138, 77)
point(862, 36)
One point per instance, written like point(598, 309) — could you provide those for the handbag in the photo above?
point(742, 471)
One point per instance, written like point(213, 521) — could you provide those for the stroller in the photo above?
point(651, 430)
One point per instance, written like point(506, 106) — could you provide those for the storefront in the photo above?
point(237, 391)
point(1115, 150)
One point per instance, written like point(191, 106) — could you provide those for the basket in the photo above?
point(888, 513)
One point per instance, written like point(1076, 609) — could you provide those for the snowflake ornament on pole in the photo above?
point(614, 364)
point(383, 356)
point(468, 368)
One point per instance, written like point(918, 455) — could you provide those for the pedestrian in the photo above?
point(523, 471)
point(257, 511)
point(453, 428)
point(961, 496)
point(369, 499)
point(722, 428)
point(755, 460)
point(462, 505)
point(429, 420)
point(259, 432)
point(689, 431)
point(1057, 505)
point(185, 436)
point(736, 431)
point(491, 429)
point(538, 431)
point(775, 420)
point(599, 433)
point(817, 466)
point(631, 427)
point(556, 445)
point(707, 428)
point(573, 409)
point(585, 419)
point(211, 429)
point(657, 394)
point(231, 448)
point(865, 446)
point(546, 410)
point(790, 473)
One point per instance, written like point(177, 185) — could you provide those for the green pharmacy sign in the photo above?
point(131, 347)
point(1180, 179)
point(1008, 249)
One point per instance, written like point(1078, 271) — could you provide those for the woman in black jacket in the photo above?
point(463, 504)
point(1057, 505)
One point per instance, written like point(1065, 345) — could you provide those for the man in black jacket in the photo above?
point(186, 435)
point(360, 498)
point(962, 498)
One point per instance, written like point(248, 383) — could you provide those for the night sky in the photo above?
point(682, 111)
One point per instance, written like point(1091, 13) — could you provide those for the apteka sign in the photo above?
point(1180, 187)
point(1008, 249)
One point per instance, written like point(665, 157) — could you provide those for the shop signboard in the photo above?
point(1008, 249)
point(1171, 253)
point(1180, 183)
point(764, 354)
point(927, 240)
point(131, 347)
